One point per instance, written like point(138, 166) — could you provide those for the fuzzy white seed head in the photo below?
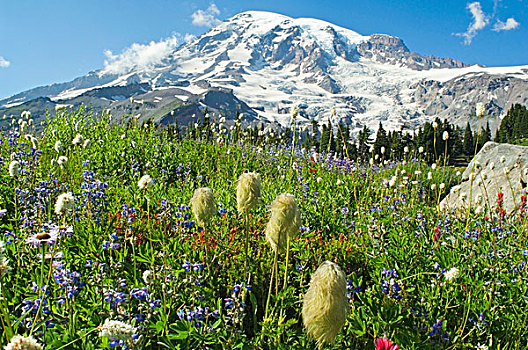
point(14, 168)
point(480, 109)
point(64, 203)
point(382, 150)
point(429, 176)
point(452, 274)
point(248, 192)
point(445, 136)
point(442, 186)
point(284, 222)
point(4, 262)
point(392, 181)
point(87, 143)
point(58, 146)
point(435, 125)
point(62, 160)
point(19, 342)
point(23, 126)
point(433, 187)
point(34, 142)
point(116, 330)
point(78, 140)
point(339, 182)
point(325, 303)
point(420, 149)
point(145, 182)
point(433, 166)
point(319, 179)
point(203, 205)
point(406, 149)
point(147, 276)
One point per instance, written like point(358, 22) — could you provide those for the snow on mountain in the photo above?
point(270, 63)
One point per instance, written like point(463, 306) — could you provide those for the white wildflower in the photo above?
point(62, 160)
point(19, 342)
point(58, 146)
point(480, 109)
point(14, 168)
point(145, 182)
point(452, 274)
point(65, 203)
point(116, 330)
point(77, 140)
point(4, 262)
point(147, 276)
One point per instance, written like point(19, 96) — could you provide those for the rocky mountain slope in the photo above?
point(264, 63)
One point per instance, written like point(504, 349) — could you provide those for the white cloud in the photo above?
point(4, 63)
point(480, 21)
point(188, 37)
point(140, 56)
point(206, 18)
point(510, 24)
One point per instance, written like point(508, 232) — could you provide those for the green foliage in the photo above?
point(389, 239)
point(514, 126)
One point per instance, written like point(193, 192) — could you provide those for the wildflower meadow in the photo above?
point(122, 234)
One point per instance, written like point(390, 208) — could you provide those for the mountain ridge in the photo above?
point(272, 62)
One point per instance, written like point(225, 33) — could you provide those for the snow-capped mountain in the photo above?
point(263, 63)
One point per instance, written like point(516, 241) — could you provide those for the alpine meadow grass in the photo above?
point(119, 242)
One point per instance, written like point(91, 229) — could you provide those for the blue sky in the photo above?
point(43, 42)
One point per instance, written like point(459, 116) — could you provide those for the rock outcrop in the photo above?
point(496, 168)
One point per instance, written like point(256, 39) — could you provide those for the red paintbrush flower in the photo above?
point(385, 344)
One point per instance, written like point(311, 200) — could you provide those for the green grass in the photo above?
point(362, 224)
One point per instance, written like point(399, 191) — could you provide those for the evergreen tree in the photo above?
point(363, 144)
point(514, 126)
point(382, 140)
point(468, 146)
